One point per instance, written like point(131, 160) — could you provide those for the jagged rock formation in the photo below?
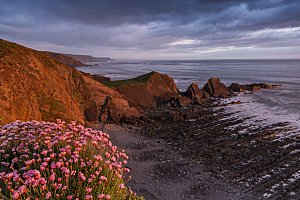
point(34, 86)
point(195, 94)
point(215, 88)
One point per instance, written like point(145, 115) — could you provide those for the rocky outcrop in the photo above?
point(215, 88)
point(34, 86)
point(235, 87)
point(149, 90)
point(258, 86)
point(195, 94)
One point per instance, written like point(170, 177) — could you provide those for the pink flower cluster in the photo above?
point(43, 160)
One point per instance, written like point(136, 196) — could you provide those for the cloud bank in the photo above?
point(189, 29)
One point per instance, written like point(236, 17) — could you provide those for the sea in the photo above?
point(262, 108)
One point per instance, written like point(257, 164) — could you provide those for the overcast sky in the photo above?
point(156, 29)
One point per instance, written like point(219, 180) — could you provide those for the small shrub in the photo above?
point(43, 160)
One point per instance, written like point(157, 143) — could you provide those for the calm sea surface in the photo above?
point(280, 104)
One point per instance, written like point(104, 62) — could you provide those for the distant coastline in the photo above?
point(73, 60)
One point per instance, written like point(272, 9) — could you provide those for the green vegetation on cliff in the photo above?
point(134, 81)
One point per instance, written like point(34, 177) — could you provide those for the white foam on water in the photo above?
point(260, 115)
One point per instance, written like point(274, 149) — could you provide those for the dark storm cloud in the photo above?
point(192, 25)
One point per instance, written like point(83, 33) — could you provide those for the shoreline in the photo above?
point(196, 139)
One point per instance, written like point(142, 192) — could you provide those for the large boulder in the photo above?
point(195, 93)
point(215, 88)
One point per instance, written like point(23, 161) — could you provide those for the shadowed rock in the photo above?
point(115, 111)
point(215, 88)
point(258, 86)
point(195, 93)
point(235, 87)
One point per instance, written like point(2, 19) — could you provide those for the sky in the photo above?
point(156, 29)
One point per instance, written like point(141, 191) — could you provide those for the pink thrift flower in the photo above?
point(69, 197)
point(89, 190)
point(81, 176)
point(52, 177)
point(48, 195)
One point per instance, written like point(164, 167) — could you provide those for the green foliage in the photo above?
point(134, 81)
